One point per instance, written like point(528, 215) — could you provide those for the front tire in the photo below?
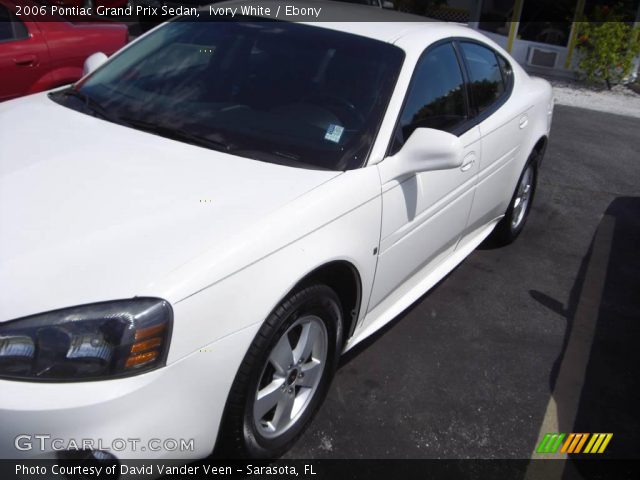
point(517, 213)
point(284, 376)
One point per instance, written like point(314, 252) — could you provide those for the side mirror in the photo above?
point(425, 150)
point(93, 62)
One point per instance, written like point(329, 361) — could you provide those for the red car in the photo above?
point(38, 55)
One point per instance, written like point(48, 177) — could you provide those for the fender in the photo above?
point(65, 75)
point(53, 79)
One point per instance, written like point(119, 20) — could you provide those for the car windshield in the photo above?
point(274, 91)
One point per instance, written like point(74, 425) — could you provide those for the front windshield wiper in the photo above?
point(277, 157)
point(176, 134)
point(91, 104)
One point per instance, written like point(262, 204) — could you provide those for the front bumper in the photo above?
point(172, 412)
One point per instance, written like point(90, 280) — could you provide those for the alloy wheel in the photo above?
point(522, 198)
point(290, 376)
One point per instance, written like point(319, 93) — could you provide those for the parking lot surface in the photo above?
point(541, 336)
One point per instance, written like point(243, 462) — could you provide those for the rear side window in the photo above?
point(507, 72)
point(436, 96)
point(487, 82)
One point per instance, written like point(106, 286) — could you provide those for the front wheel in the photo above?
point(517, 213)
point(284, 376)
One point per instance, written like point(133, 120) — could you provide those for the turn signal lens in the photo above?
point(141, 359)
point(149, 331)
point(146, 345)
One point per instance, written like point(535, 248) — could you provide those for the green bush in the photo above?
point(608, 47)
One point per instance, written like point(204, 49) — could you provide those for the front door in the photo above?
point(425, 214)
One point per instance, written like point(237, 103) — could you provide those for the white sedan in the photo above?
point(193, 234)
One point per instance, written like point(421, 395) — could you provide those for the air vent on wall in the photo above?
point(540, 57)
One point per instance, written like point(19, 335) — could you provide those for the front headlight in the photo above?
point(89, 342)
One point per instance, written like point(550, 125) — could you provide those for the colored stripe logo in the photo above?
point(574, 443)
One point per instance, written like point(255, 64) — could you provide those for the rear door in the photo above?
point(503, 123)
point(23, 54)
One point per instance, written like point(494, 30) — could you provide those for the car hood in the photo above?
point(93, 211)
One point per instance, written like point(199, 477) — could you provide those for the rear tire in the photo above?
point(284, 376)
point(517, 213)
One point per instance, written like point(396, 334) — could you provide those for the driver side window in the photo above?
point(11, 28)
point(436, 97)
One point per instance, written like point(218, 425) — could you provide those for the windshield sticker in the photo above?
point(334, 132)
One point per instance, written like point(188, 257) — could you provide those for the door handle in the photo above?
point(524, 121)
point(468, 162)
point(25, 60)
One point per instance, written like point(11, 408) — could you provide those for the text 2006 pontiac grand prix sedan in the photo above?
point(192, 234)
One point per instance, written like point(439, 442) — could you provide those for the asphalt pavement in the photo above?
point(542, 335)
